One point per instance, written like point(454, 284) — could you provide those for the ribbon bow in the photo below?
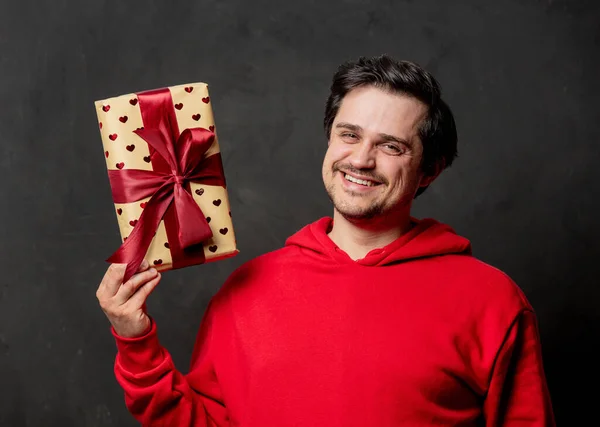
point(181, 160)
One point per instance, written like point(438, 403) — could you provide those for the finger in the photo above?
point(139, 298)
point(112, 280)
point(144, 266)
point(131, 286)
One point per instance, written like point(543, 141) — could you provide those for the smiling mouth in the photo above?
point(364, 182)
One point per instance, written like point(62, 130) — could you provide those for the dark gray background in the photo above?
point(521, 77)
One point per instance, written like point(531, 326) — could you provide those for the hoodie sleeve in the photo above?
point(518, 393)
point(157, 394)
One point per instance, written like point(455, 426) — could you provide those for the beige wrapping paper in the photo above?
point(118, 117)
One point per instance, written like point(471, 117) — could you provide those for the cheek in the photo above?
point(337, 150)
point(410, 180)
point(327, 166)
point(403, 178)
point(326, 161)
point(331, 157)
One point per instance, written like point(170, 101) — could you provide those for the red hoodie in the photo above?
point(418, 333)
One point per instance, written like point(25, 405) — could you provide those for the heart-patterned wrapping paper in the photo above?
point(118, 118)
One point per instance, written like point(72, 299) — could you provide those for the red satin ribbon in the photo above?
point(177, 159)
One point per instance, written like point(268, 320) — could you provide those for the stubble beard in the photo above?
point(350, 211)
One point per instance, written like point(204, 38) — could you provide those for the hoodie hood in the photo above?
point(427, 238)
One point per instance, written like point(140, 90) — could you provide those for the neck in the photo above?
point(358, 237)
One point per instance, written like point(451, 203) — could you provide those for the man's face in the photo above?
point(372, 165)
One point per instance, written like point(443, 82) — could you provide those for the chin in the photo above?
point(358, 216)
point(355, 213)
point(355, 207)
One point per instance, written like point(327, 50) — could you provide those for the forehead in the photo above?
point(378, 111)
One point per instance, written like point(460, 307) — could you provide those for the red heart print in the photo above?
point(200, 191)
point(196, 117)
point(119, 211)
point(100, 124)
point(143, 204)
point(113, 136)
point(147, 159)
point(130, 147)
point(120, 165)
point(140, 128)
point(208, 219)
point(223, 231)
point(124, 238)
point(179, 106)
point(106, 154)
point(133, 222)
point(133, 101)
point(217, 202)
point(211, 128)
point(189, 89)
point(157, 261)
point(212, 248)
point(167, 245)
point(123, 119)
point(206, 100)
point(229, 214)
point(105, 108)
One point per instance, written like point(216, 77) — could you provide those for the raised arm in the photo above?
point(156, 393)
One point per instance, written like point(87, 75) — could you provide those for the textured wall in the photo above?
point(521, 77)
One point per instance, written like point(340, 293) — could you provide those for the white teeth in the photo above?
point(359, 181)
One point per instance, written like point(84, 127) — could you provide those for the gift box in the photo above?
point(166, 176)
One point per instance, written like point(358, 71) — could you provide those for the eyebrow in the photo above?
point(384, 136)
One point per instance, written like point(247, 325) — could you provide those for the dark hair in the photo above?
point(438, 129)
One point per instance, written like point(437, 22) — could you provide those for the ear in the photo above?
point(426, 180)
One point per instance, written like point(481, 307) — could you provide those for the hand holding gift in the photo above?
point(124, 303)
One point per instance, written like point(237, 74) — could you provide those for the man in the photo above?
point(369, 318)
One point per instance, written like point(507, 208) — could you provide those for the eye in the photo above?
point(349, 135)
point(392, 148)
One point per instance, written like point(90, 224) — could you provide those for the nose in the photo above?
point(363, 156)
